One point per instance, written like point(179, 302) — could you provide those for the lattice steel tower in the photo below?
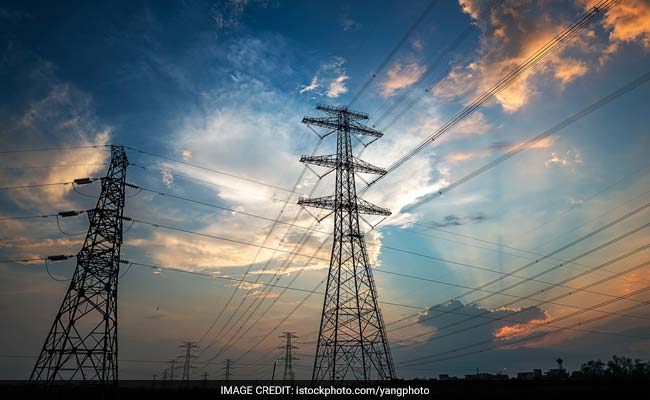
point(288, 375)
point(82, 343)
point(187, 360)
point(352, 342)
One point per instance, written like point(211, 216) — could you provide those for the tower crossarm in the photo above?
point(333, 123)
point(361, 129)
point(324, 122)
point(336, 110)
point(325, 202)
point(366, 207)
point(329, 203)
point(322, 161)
point(330, 161)
point(366, 167)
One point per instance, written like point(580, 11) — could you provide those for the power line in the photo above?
point(574, 242)
point(528, 279)
point(423, 279)
point(453, 312)
point(528, 297)
point(314, 291)
point(558, 41)
point(607, 314)
point(43, 149)
point(394, 51)
point(601, 215)
point(420, 360)
point(293, 224)
point(35, 185)
point(283, 320)
point(212, 205)
point(527, 144)
point(27, 217)
point(387, 247)
point(432, 65)
point(189, 178)
point(419, 254)
point(209, 169)
point(307, 228)
point(182, 198)
point(156, 225)
point(268, 236)
point(63, 214)
point(52, 166)
point(234, 339)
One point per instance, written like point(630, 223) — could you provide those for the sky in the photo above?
point(511, 262)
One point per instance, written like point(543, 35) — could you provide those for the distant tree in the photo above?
point(618, 367)
point(593, 369)
point(641, 369)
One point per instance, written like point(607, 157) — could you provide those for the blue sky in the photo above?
point(225, 85)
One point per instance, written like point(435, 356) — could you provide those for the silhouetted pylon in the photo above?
point(82, 342)
point(187, 357)
point(352, 341)
point(288, 375)
point(227, 371)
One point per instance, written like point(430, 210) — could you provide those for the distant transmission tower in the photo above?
point(172, 369)
point(187, 366)
point(227, 372)
point(82, 343)
point(352, 342)
point(288, 375)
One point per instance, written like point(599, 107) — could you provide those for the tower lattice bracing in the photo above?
point(82, 343)
point(352, 342)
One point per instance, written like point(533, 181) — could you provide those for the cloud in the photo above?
point(471, 323)
point(60, 116)
point(569, 158)
point(329, 80)
point(574, 202)
point(167, 178)
point(458, 156)
point(337, 86)
point(628, 21)
point(569, 70)
point(454, 220)
point(262, 294)
point(227, 13)
point(311, 87)
point(400, 76)
point(349, 24)
point(514, 31)
point(247, 285)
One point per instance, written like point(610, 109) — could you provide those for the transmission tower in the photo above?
point(227, 372)
point(188, 356)
point(172, 368)
point(352, 342)
point(288, 375)
point(82, 342)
